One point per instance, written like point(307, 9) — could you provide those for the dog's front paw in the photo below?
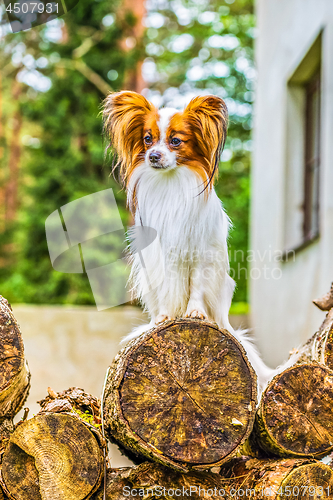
point(161, 318)
point(196, 314)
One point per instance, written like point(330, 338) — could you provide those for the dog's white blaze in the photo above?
point(168, 157)
point(165, 115)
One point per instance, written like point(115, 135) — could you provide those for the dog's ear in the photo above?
point(208, 118)
point(123, 115)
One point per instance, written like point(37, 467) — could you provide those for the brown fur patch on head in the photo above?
point(125, 116)
point(187, 152)
point(150, 128)
point(204, 127)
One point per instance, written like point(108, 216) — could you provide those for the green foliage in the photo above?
point(208, 46)
point(87, 416)
point(68, 162)
point(190, 47)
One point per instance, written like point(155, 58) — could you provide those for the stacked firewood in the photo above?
point(181, 402)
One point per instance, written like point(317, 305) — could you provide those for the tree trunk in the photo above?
point(11, 188)
point(14, 372)
point(133, 37)
point(183, 394)
point(58, 454)
point(147, 478)
point(302, 479)
point(295, 415)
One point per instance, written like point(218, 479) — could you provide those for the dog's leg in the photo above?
point(223, 306)
point(195, 307)
point(161, 318)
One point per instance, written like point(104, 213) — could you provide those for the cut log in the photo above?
point(295, 417)
point(58, 456)
point(75, 400)
point(302, 479)
point(152, 481)
point(14, 371)
point(183, 394)
point(319, 347)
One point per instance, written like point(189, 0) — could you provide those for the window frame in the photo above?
point(306, 75)
point(311, 224)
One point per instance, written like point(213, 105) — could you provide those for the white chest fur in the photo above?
point(188, 264)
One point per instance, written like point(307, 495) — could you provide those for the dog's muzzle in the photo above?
point(155, 158)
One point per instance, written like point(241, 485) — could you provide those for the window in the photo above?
point(302, 175)
point(312, 160)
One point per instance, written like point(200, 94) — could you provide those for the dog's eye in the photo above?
point(148, 139)
point(175, 141)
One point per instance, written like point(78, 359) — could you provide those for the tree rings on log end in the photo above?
point(299, 479)
point(52, 456)
point(308, 481)
point(153, 481)
point(295, 415)
point(182, 394)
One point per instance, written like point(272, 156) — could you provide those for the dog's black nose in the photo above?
point(155, 156)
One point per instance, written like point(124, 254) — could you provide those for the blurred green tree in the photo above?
point(207, 47)
point(64, 69)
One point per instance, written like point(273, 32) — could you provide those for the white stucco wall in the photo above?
point(282, 314)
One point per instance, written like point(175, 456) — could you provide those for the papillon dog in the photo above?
point(168, 161)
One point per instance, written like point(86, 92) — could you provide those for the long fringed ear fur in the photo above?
point(123, 116)
point(208, 118)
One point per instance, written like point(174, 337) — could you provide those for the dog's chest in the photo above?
point(188, 220)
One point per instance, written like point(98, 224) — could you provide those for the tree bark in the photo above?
point(148, 478)
point(319, 347)
point(294, 417)
point(302, 479)
point(59, 453)
point(183, 394)
point(14, 371)
point(133, 37)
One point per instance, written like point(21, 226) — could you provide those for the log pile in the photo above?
point(295, 417)
point(59, 453)
point(278, 479)
point(14, 371)
point(183, 395)
point(181, 402)
point(152, 480)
